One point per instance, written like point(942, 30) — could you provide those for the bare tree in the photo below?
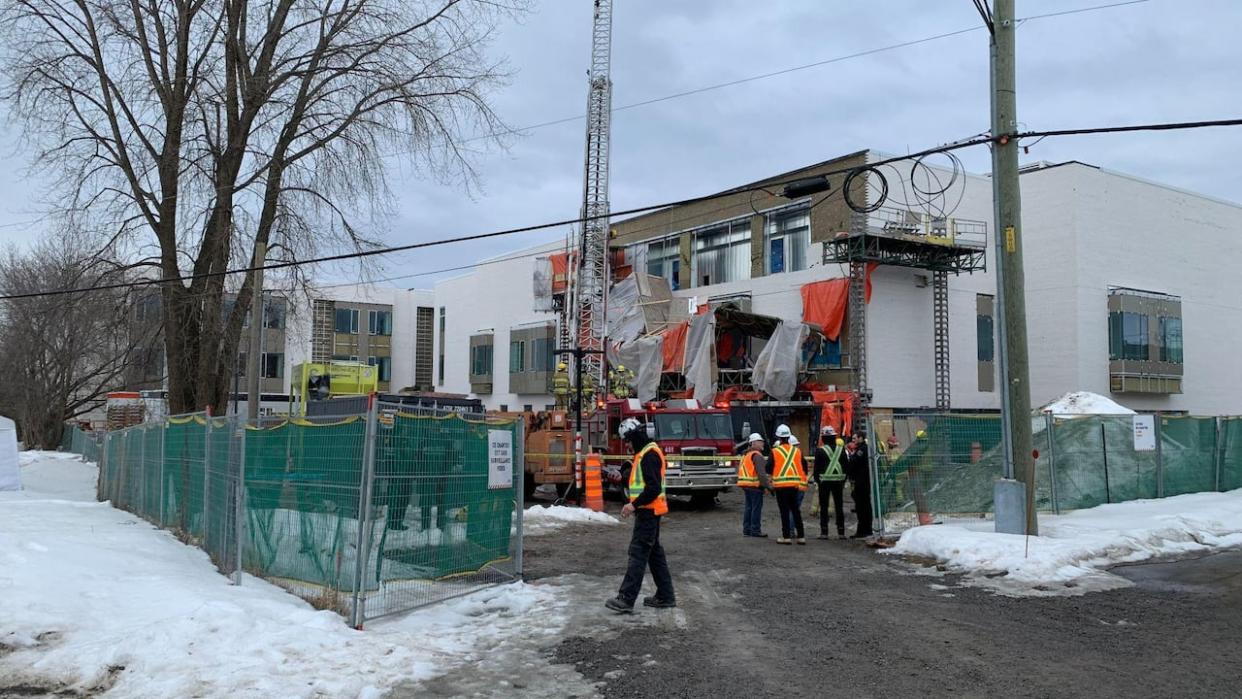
point(63, 353)
point(198, 129)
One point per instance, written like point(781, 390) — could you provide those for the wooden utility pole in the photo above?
point(253, 381)
point(1015, 370)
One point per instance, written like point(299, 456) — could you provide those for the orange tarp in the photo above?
point(674, 346)
point(824, 303)
point(837, 410)
point(560, 272)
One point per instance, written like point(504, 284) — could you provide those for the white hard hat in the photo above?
point(783, 432)
point(793, 441)
point(627, 426)
point(755, 437)
point(829, 429)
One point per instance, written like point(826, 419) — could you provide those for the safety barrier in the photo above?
point(944, 465)
point(367, 514)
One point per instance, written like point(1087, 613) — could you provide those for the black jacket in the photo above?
point(856, 465)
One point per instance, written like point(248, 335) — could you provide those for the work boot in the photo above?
point(801, 541)
point(783, 540)
point(760, 535)
point(840, 533)
point(658, 603)
point(619, 606)
point(822, 535)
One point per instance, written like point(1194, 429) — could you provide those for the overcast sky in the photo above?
point(1161, 60)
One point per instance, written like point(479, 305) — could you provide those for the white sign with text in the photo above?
point(1144, 433)
point(499, 459)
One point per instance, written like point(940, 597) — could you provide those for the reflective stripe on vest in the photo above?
point(747, 471)
point(786, 473)
point(834, 472)
point(637, 483)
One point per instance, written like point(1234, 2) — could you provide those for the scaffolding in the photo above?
point(903, 238)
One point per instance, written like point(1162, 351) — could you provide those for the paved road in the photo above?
point(834, 618)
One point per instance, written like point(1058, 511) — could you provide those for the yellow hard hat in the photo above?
point(840, 442)
point(561, 367)
point(620, 367)
point(920, 435)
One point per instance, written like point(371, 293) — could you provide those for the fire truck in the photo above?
point(698, 442)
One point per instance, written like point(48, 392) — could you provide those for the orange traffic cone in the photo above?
point(594, 486)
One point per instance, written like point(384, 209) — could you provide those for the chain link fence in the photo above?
point(930, 467)
point(365, 514)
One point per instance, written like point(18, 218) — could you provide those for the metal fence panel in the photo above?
point(1188, 453)
point(1231, 453)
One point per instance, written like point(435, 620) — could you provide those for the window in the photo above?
point(481, 360)
point(715, 426)
point(787, 237)
point(347, 321)
point(274, 314)
point(542, 356)
point(985, 341)
point(674, 426)
point(517, 356)
point(425, 335)
point(440, 368)
point(383, 365)
point(986, 334)
point(1171, 340)
point(722, 254)
point(822, 354)
point(273, 365)
point(664, 259)
point(379, 322)
point(1127, 336)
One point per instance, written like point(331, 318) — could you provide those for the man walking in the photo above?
point(830, 477)
point(752, 478)
point(858, 469)
point(647, 502)
point(787, 477)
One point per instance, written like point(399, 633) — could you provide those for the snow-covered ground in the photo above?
point(1074, 550)
point(1085, 403)
point(93, 598)
point(541, 520)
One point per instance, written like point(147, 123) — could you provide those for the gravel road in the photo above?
point(834, 618)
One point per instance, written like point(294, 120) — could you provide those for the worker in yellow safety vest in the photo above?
point(752, 478)
point(648, 503)
point(830, 476)
point(560, 386)
point(788, 476)
point(620, 379)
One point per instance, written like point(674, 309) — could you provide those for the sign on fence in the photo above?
point(499, 459)
point(1144, 433)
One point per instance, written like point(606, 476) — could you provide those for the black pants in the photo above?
point(862, 505)
point(836, 491)
point(787, 501)
point(645, 550)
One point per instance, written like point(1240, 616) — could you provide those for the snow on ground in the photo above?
point(1085, 403)
point(86, 589)
point(541, 520)
point(1074, 550)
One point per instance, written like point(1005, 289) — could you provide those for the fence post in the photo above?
point(239, 514)
point(877, 508)
point(163, 430)
point(1159, 422)
point(206, 479)
point(1218, 454)
point(519, 490)
point(101, 479)
point(1049, 426)
point(362, 552)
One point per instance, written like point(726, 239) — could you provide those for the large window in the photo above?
point(425, 334)
point(440, 368)
point(1127, 336)
point(664, 260)
point(379, 322)
point(985, 334)
point(347, 321)
point(517, 356)
point(383, 366)
point(722, 253)
point(787, 237)
point(274, 313)
point(1171, 340)
point(273, 365)
point(543, 357)
point(674, 426)
point(481, 360)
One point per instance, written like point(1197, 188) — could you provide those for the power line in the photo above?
point(958, 145)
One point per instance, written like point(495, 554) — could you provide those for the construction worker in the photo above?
point(648, 504)
point(787, 477)
point(858, 468)
point(830, 476)
point(752, 478)
point(560, 386)
point(793, 442)
point(620, 378)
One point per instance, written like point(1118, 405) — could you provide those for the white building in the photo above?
point(1160, 261)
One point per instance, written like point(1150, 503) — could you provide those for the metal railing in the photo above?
point(368, 514)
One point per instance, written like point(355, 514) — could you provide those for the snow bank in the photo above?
point(1076, 548)
point(1085, 403)
point(87, 589)
point(541, 520)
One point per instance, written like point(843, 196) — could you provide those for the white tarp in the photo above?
point(776, 368)
point(625, 311)
point(10, 475)
point(644, 357)
point(543, 284)
point(700, 361)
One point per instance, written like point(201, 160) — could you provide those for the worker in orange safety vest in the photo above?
point(788, 476)
point(752, 478)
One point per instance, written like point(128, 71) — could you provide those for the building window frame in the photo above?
point(664, 259)
point(379, 322)
point(346, 318)
point(383, 366)
point(517, 356)
point(725, 247)
point(794, 240)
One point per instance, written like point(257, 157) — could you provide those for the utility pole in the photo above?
point(253, 381)
point(1015, 372)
